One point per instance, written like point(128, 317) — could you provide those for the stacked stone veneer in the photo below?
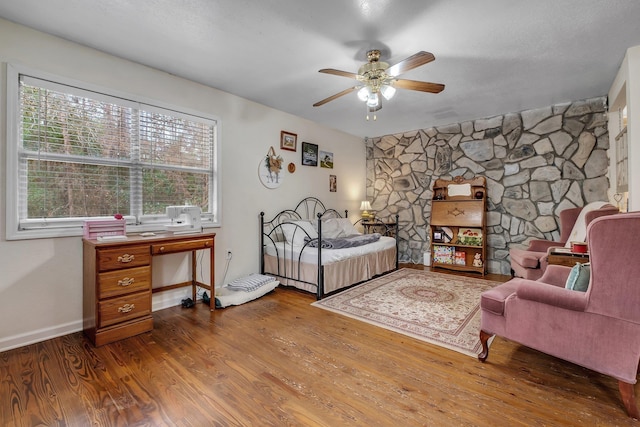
point(537, 163)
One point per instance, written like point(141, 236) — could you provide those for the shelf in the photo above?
point(459, 206)
point(457, 245)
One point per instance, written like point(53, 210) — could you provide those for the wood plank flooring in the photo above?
point(277, 361)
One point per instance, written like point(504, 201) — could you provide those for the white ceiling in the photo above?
point(494, 56)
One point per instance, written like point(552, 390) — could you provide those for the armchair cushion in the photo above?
point(579, 276)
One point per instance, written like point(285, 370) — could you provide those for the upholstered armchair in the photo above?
point(599, 328)
point(530, 263)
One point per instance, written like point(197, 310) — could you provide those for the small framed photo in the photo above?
point(288, 141)
point(326, 159)
point(437, 236)
point(333, 183)
point(309, 154)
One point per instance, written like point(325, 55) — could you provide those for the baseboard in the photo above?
point(39, 335)
point(159, 302)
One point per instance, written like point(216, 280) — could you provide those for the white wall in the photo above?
point(41, 280)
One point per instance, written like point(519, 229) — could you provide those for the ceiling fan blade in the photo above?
point(339, 73)
point(416, 85)
point(410, 63)
point(337, 95)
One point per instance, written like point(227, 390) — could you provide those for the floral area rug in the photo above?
point(441, 309)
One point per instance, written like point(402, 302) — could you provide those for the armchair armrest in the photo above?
point(556, 275)
point(552, 295)
point(543, 245)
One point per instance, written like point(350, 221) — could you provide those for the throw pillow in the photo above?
point(579, 277)
point(295, 232)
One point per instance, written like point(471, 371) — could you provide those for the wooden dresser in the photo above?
point(117, 284)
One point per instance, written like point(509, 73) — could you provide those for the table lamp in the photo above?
point(365, 207)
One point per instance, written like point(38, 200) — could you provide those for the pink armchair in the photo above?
point(530, 263)
point(598, 329)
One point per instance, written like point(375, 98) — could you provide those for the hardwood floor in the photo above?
point(277, 361)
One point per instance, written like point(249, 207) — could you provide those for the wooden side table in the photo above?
point(384, 228)
point(562, 256)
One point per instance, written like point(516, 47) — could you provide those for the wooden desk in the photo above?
point(568, 259)
point(117, 284)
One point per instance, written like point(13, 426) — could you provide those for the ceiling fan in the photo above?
point(378, 78)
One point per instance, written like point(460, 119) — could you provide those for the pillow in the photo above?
point(333, 228)
point(579, 230)
point(579, 276)
point(294, 231)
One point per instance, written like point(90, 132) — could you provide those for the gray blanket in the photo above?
point(344, 242)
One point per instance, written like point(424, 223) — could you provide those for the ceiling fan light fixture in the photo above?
point(388, 91)
point(373, 100)
point(363, 94)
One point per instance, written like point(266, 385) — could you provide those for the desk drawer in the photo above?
point(125, 308)
point(125, 257)
point(192, 245)
point(125, 281)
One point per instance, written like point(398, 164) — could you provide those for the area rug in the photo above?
point(438, 308)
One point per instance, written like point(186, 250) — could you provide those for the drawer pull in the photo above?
point(126, 308)
point(126, 281)
point(126, 258)
point(161, 248)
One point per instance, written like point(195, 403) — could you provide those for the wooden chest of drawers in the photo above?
point(117, 292)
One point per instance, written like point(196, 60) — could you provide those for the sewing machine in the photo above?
point(184, 219)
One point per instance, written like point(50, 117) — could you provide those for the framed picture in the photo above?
point(437, 236)
point(288, 141)
point(333, 183)
point(309, 154)
point(326, 159)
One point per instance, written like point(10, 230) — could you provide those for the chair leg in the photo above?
point(484, 340)
point(629, 399)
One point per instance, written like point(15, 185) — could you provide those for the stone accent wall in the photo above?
point(537, 163)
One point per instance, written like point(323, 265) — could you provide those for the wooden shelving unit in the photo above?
point(458, 224)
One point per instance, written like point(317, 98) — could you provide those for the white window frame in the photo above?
point(66, 227)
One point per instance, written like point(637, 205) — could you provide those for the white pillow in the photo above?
point(579, 230)
point(348, 229)
point(294, 234)
point(333, 228)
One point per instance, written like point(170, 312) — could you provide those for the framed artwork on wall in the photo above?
point(326, 159)
point(333, 183)
point(288, 141)
point(309, 154)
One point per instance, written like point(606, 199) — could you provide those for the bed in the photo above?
point(318, 250)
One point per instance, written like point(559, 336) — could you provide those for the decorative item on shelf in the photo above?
point(365, 207)
point(470, 236)
point(269, 169)
point(443, 254)
point(460, 258)
point(579, 247)
point(477, 260)
point(479, 194)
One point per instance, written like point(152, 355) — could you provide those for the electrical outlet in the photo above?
point(229, 254)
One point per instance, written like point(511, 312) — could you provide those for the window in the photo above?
point(76, 153)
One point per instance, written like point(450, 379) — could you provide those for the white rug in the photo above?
point(438, 308)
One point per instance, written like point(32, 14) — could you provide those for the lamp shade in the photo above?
point(365, 205)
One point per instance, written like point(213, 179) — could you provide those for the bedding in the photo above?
point(343, 242)
point(342, 255)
